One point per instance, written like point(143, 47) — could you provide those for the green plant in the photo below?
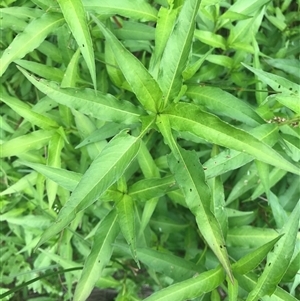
point(131, 164)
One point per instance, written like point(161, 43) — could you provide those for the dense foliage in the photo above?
point(150, 147)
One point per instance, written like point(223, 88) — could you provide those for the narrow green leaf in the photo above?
point(254, 258)
point(99, 256)
point(164, 25)
point(150, 171)
point(189, 117)
point(22, 12)
point(23, 144)
point(142, 83)
point(191, 288)
point(21, 185)
point(246, 7)
point(136, 9)
point(71, 74)
point(177, 51)
point(24, 110)
point(225, 104)
point(32, 36)
point(126, 219)
point(135, 31)
point(106, 169)
point(151, 188)
point(291, 66)
point(64, 178)
point(250, 237)
point(211, 39)
point(278, 260)
point(277, 83)
point(168, 264)
point(55, 146)
point(65, 263)
point(42, 70)
point(85, 127)
point(102, 106)
point(248, 282)
point(75, 17)
point(190, 177)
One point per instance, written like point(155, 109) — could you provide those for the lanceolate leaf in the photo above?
point(191, 288)
point(65, 178)
point(189, 118)
point(136, 9)
point(278, 260)
point(253, 259)
point(55, 146)
point(106, 169)
point(33, 35)
point(190, 177)
point(99, 256)
point(23, 144)
point(225, 104)
point(102, 106)
point(277, 83)
point(247, 282)
point(177, 51)
point(140, 80)
point(75, 16)
point(27, 113)
point(126, 219)
point(151, 188)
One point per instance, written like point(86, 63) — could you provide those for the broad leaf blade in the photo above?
point(99, 256)
point(75, 17)
point(177, 51)
point(33, 35)
point(106, 169)
point(140, 80)
point(102, 106)
point(189, 118)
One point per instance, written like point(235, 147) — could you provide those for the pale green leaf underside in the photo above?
point(32, 36)
point(96, 104)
